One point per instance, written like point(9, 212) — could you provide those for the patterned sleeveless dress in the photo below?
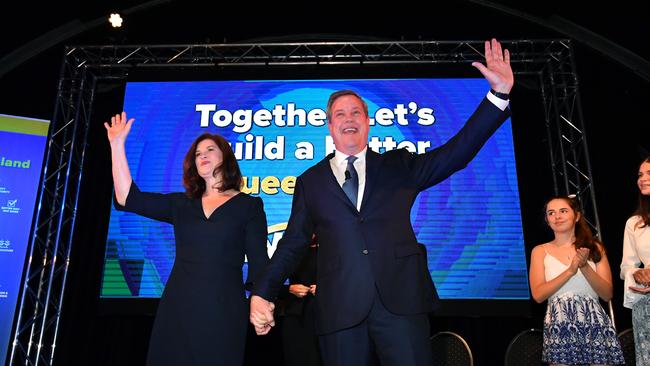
point(577, 331)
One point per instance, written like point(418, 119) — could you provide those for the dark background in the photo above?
point(613, 97)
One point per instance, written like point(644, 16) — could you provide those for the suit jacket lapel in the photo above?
point(372, 168)
point(325, 171)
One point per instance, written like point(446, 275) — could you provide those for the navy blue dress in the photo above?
point(202, 317)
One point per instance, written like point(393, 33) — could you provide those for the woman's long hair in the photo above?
point(643, 209)
point(229, 168)
point(584, 237)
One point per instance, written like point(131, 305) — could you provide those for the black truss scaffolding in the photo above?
point(41, 301)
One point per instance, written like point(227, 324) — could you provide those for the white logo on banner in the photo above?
point(10, 207)
point(5, 246)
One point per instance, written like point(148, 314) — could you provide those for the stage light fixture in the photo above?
point(116, 20)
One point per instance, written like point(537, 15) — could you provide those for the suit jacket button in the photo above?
point(361, 219)
point(365, 251)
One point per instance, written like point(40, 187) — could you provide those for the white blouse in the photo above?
point(636, 250)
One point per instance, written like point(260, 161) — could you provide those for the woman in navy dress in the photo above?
point(203, 313)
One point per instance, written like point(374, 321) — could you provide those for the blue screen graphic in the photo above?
point(470, 223)
point(22, 142)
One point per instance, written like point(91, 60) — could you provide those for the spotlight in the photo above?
point(116, 20)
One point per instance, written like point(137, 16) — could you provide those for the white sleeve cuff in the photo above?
point(500, 103)
point(629, 296)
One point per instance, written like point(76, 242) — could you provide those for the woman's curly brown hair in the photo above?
point(229, 168)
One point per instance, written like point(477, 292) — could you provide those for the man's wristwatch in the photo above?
point(503, 96)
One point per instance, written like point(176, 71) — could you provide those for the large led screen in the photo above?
point(470, 223)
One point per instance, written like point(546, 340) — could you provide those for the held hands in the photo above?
point(642, 277)
point(119, 128)
point(261, 315)
point(498, 71)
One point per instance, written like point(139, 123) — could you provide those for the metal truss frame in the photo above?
point(42, 295)
point(568, 151)
point(52, 234)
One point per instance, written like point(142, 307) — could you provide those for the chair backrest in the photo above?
point(525, 349)
point(450, 349)
point(626, 338)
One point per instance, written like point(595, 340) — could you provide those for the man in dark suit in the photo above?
point(374, 289)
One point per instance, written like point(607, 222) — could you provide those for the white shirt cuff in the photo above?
point(500, 103)
point(629, 296)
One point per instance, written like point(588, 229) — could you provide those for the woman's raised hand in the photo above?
point(119, 128)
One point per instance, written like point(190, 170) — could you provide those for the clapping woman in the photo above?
point(571, 272)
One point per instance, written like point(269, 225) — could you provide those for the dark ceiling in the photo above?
point(191, 21)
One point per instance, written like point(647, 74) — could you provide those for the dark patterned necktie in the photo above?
point(351, 183)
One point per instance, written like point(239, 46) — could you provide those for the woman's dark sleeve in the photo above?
point(256, 237)
point(155, 206)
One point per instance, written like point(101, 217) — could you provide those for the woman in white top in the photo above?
point(571, 272)
point(636, 251)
